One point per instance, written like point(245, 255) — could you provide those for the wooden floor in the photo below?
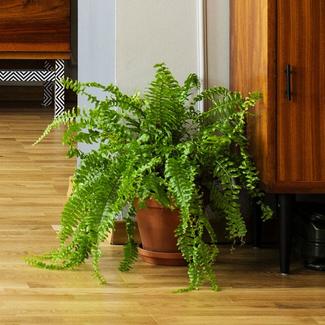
point(33, 184)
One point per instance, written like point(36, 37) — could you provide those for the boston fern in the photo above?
point(157, 145)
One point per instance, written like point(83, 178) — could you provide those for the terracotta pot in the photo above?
point(157, 227)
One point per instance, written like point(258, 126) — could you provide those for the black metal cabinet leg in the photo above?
point(286, 202)
point(257, 225)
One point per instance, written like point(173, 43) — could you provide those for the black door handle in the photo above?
point(288, 72)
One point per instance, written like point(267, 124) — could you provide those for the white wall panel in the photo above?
point(153, 31)
point(218, 42)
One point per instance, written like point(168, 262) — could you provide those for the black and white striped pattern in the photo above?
point(59, 89)
point(48, 76)
point(48, 86)
point(22, 75)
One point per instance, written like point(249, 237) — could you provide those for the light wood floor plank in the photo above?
point(33, 185)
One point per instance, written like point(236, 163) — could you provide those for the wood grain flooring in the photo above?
point(33, 184)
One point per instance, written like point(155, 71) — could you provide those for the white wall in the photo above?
point(154, 31)
point(96, 40)
point(218, 42)
point(96, 44)
point(120, 41)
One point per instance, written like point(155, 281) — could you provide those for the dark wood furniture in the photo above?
point(41, 30)
point(35, 29)
point(278, 48)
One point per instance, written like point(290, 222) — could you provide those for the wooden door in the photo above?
point(301, 118)
point(35, 26)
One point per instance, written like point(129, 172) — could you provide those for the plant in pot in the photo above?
point(162, 160)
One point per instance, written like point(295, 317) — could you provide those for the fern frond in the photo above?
point(180, 176)
point(67, 118)
point(131, 248)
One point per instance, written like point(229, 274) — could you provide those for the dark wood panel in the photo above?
point(35, 26)
point(34, 55)
point(252, 68)
point(302, 187)
point(301, 121)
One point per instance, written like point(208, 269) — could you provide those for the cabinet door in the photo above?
point(35, 26)
point(301, 118)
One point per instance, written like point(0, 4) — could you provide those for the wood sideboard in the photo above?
point(35, 29)
point(278, 48)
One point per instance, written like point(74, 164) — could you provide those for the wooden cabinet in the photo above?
point(301, 118)
point(35, 29)
point(278, 48)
